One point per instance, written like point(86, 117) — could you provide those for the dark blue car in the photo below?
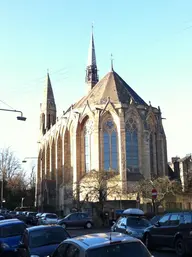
point(41, 241)
point(11, 231)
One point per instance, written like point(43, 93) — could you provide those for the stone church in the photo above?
point(110, 129)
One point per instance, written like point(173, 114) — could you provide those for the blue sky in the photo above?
point(150, 41)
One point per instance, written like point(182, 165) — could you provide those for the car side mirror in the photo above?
point(21, 246)
point(157, 224)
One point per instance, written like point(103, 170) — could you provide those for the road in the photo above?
point(79, 232)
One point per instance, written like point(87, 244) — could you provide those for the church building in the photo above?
point(110, 129)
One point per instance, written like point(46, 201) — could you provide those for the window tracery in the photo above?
point(88, 129)
point(110, 152)
point(132, 151)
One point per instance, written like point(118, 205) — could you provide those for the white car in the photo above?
point(48, 219)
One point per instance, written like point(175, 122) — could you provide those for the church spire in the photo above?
point(91, 70)
point(48, 108)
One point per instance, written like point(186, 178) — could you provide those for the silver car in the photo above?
point(48, 219)
point(102, 245)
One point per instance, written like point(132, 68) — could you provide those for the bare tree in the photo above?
point(17, 182)
point(95, 186)
point(9, 165)
point(31, 180)
point(98, 186)
point(163, 185)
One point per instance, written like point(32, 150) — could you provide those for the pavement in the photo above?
point(78, 232)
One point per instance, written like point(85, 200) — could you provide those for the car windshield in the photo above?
point(51, 216)
point(137, 222)
point(12, 230)
point(42, 237)
point(133, 249)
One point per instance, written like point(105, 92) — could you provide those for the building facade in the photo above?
point(110, 129)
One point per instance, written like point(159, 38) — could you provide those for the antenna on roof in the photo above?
point(110, 236)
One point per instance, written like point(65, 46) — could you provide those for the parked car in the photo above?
point(173, 230)
point(12, 214)
point(31, 218)
point(104, 244)
point(2, 217)
point(41, 241)
point(48, 219)
point(132, 222)
point(11, 231)
point(77, 219)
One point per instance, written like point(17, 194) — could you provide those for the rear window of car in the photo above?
point(51, 216)
point(137, 222)
point(12, 230)
point(32, 214)
point(133, 249)
point(42, 237)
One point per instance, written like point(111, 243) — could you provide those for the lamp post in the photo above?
point(22, 199)
point(21, 117)
point(2, 186)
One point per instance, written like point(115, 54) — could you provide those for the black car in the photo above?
point(31, 218)
point(77, 219)
point(173, 230)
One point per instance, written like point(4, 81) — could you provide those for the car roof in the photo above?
point(12, 221)
point(45, 213)
point(42, 227)
point(100, 239)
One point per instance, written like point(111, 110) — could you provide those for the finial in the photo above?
point(92, 27)
point(47, 71)
point(111, 62)
point(150, 103)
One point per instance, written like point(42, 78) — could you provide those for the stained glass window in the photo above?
point(87, 144)
point(110, 151)
point(132, 152)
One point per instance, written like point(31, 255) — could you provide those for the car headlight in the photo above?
point(5, 246)
point(133, 233)
point(34, 255)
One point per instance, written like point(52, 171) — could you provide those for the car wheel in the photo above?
point(180, 247)
point(147, 241)
point(64, 225)
point(88, 225)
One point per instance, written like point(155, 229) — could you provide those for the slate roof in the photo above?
point(114, 87)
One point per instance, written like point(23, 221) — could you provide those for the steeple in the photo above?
point(91, 70)
point(48, 108)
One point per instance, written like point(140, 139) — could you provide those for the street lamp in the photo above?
point(25, 159)
point(21, 117)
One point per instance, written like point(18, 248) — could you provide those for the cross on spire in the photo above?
point(112, 62)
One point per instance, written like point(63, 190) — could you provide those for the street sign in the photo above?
point(154, 193)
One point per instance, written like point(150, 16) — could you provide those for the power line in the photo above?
point(7, 104)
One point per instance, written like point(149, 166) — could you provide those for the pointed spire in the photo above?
point(91, 71)
point(49, 106)
point(91, 54)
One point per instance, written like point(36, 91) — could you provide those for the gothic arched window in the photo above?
point(110, 152)
point(88, 128)
point(132, 152)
